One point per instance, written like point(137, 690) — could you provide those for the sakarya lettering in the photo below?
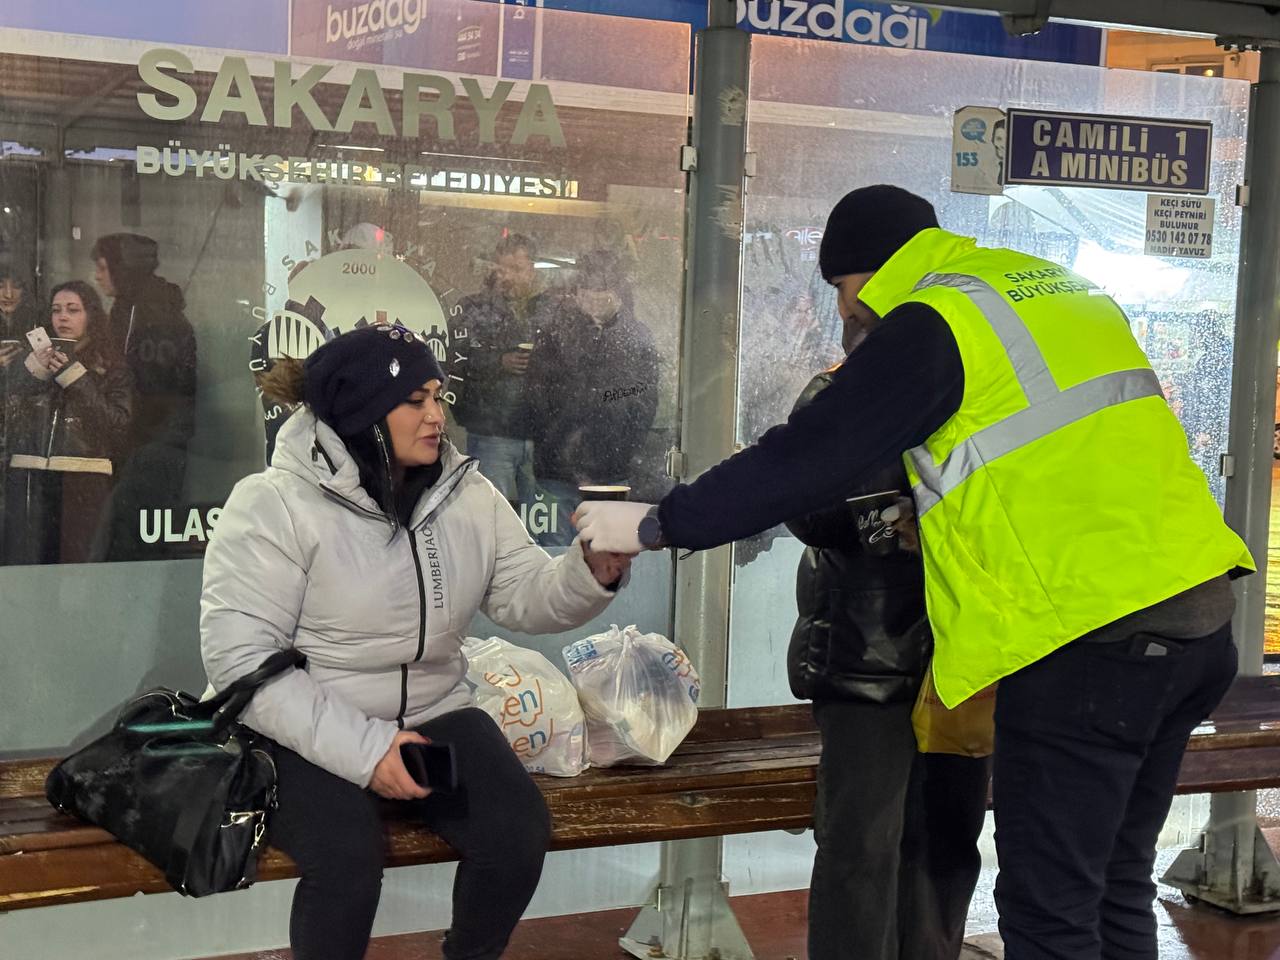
point(170, 97)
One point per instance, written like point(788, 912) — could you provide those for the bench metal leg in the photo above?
point(1233, 866)
point(689, 917)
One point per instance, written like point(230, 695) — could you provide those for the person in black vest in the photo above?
point(897, 830)
point(159, 345)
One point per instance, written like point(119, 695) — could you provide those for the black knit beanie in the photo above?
point(356, 379)
point(868, 226)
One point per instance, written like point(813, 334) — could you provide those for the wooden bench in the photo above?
point(739, 771)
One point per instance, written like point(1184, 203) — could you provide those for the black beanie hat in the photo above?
point(868, 226)
point(356, 379)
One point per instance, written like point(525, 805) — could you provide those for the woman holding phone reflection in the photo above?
point(18, 312)
point(68, 405)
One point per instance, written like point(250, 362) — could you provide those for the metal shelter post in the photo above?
point(1232, 866)
point(689, 916)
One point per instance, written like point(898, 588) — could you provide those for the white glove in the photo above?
point(611, 526)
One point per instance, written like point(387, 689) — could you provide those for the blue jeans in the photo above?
point(507, 462)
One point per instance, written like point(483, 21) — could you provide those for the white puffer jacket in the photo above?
point(303, 558)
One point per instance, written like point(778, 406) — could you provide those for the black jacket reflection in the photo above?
point(592, 394)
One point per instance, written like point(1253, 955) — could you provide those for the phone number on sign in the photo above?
point(1180, 238)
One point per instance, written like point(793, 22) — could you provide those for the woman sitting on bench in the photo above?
point(369, 544)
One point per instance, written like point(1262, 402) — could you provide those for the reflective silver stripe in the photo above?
point(925, 498)
point(1023, 351)
point(1024, 427)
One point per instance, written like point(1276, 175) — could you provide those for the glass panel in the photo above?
point(1271, 645)
point(825, 118)
point(218, 211)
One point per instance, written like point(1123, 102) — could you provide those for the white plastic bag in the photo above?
point(639, 692)
point(532, 703)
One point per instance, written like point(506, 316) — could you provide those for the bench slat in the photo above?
point(35, 808)
point(752, 723)
point(715, 732)
point(24, 778)
point(1234, 736)
point(1223, 771)
point(1248, 717)
point(605, 793)
point(54, 835)
point(741, 765)
point(109, 870)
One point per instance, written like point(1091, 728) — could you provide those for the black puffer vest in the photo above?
point(862, 633)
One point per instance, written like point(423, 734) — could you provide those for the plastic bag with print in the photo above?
point(531, 702)
point(639, 692)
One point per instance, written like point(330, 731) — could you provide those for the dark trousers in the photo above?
point(496, 821)
point(1088, 745)
point(150, 478)
point(897, 834)
point(53, 516)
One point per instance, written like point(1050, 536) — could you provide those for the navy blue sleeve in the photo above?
point(894, 391)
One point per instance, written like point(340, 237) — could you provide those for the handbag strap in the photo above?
point(230, 703)
point(206, 796)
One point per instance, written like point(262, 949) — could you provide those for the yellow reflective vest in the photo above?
point(1060, 496)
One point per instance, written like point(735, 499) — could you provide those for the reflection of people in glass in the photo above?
point(68, 415)
point(895, 825)
point(18, 311)
point(778, 366)
point(364, 490)
point(18, 314)
point(500, 326)
point(774, 368)
point(593, 387)
point(159, 345)
point(810, 340)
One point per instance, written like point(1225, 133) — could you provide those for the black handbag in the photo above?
point(181, 782)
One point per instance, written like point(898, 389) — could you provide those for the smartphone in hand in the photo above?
point(39, 339)
point(432, 765)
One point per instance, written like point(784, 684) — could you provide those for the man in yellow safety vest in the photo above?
point(1072, 549)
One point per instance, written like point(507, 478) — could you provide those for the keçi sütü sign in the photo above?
point(1179, 227)
point(1118, 153)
